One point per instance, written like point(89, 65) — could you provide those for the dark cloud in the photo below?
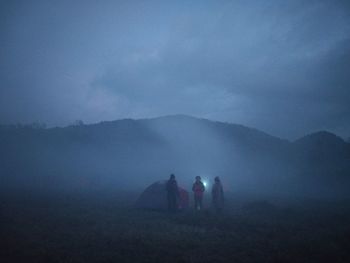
point(278, 66)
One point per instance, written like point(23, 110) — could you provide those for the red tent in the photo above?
point(155, 197)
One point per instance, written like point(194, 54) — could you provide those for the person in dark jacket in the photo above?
point(198, 190)
point(217, 194)
point(172, 193)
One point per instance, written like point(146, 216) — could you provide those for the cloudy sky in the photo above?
point(279, 66)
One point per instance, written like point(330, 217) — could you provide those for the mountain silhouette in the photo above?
point(137, 152)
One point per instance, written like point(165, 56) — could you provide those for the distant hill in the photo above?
point(325, 157)
point(133, 153)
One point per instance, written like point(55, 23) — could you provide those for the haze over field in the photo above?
point(131, 154)
point(101, 101)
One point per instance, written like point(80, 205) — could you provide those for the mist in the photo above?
point(132, 154)
point(278, 67)
point(110, 110)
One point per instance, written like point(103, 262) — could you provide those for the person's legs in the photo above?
point(171, 202)
point(196, 203)
point(216, 205)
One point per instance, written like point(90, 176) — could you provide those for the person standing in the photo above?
point(198, 190)
point(217, 194)
point(172, 193)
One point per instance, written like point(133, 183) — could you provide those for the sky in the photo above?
point(278, 66)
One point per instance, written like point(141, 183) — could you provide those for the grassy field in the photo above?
point(106, 228)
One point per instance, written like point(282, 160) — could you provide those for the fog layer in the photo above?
point(132, 154)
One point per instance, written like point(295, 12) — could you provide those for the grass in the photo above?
point(106, 228)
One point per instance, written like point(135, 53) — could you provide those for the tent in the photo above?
point(155, 197)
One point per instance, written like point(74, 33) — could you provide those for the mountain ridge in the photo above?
point(123, 151)
point(172, 117)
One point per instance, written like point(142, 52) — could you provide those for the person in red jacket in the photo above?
point(217, 194)
point(198, 190)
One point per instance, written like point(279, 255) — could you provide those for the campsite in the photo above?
point(97, 193)
point(174, 131)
